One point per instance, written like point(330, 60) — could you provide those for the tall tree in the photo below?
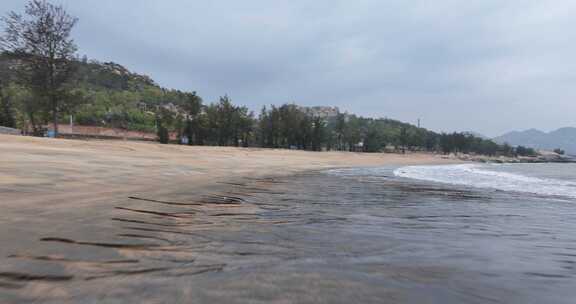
point(7, 110)
point(243, 122)
point(41, 41)
point(165, 120)
point(403, 139)
point(225, 112)
point(340, 129)
point(265, 128)
point(318, 133)
point(192, 106)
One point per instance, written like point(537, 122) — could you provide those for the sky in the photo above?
point(488, 66)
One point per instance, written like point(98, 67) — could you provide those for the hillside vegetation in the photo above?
point(109, 95)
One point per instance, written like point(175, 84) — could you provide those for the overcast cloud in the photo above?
point(488, 65)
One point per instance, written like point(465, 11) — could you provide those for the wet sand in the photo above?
point(110, 221)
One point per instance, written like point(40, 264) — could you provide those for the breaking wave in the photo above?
point(480, 176)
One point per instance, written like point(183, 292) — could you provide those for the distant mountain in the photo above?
point(564, 138)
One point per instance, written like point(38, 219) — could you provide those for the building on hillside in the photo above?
point(322, 112)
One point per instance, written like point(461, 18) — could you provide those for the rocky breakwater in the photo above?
point(542, 157)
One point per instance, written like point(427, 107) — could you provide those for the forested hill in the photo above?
point(91, 74)
point(109, 95)
point(110, 76)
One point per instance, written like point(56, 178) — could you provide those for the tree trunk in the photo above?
point(35, 129)
point(55, 115)
point(189, 132)
point(6, 112)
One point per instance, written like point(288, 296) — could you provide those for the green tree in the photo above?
point(7, 107)
point(243, 124)
point(403, 139)
point(41, 41)
point(165, 120)
point(340, 129)
point(225, 112)
point(318, 133)
point(192, 106)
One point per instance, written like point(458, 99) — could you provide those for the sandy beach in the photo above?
point(39, 172)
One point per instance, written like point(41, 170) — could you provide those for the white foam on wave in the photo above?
point(480, 176)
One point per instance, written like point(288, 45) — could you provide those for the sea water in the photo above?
point(497, 233)
point(422, 234)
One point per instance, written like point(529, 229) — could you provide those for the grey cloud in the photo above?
point(486, 65)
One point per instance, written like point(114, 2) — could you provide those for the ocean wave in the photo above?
point(480, 176)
